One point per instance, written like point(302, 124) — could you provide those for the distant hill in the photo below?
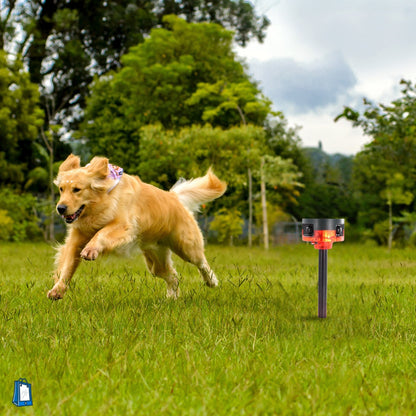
point(327, 168)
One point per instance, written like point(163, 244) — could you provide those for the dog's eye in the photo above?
point(75, 190)
point(60, 189)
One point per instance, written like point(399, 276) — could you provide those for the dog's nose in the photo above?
point(61, 208)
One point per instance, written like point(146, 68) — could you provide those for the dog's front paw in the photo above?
point(173, 291)
point(212, 281)
point(89, 253)
point(57, 292)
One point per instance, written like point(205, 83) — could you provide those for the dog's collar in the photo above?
point(115, 174)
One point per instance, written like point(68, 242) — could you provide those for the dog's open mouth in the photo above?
point(71, 218)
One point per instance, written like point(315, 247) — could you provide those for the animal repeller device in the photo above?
point(322, 233)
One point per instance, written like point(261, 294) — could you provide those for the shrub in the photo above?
point(20, 216)
point(6, 225)
point(228, 224)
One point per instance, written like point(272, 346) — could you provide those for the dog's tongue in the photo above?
point(70, 217)
point(74, 216)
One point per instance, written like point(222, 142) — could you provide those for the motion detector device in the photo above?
point(322, 233)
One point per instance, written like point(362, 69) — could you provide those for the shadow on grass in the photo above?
point(315, 318)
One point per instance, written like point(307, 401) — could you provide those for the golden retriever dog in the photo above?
point(106, 209)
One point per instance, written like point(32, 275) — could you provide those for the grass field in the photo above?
point(116, 346)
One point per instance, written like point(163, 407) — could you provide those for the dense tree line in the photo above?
point(64, 44)
point(166, 96)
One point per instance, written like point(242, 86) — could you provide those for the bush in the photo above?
point(19, 216)
point(381, 232)
point(6, 225)
point(228, 224)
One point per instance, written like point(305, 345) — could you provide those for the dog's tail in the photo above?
point(195, 192)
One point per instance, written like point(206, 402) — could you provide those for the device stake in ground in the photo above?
point(322, 233)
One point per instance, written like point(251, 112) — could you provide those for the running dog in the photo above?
point(106, 209)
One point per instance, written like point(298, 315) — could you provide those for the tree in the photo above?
point(276, 172)
point(20, 120)
point(184, 76)
point(391, 151)
point(394, 194)
point(232, 104)
point(396, 119)
point(227, 103)
point(155, 85)
point(237, 15)
point(165, 155)
point(65, 43)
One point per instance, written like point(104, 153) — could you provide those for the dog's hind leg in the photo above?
point(159, 263)
point(192, 251)
point(207, 274)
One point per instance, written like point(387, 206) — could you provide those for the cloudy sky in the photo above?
point(321, 55)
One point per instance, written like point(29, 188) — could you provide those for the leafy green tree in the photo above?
point(391, 151)
point(227, 104)
point(396, 119)
point(165, 155)
point(20, 120)
point(284, 141)
point(158, 78)
point(394, 193)
point(65, 43)
point(237, 15)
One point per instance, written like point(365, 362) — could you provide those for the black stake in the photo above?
point(322, 282)
point(322, 233)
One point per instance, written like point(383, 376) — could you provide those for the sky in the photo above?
point(319, 56)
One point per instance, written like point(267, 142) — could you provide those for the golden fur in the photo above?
point(105, 218)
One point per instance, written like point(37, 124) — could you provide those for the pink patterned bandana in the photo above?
point(115, 174)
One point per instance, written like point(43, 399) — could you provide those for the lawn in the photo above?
point(254, 346)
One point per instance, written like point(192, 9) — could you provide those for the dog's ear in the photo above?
point(71, 162)
point(99, 167)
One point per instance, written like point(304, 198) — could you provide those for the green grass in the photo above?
point(116, 346)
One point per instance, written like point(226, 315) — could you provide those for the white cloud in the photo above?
point(298, 87)
point(300, 72)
